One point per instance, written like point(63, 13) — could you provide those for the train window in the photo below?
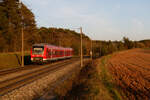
point(61, 52)
point(38, 49)
point(67, 52)
point(56, 52)
point(49, 52)
point(53, 52)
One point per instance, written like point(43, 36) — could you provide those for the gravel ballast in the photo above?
point(40, 86)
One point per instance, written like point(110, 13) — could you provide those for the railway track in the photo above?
point(9, 85)
point(28, 67)
point(13, 70)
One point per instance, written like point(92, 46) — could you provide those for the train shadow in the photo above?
point(27, 60)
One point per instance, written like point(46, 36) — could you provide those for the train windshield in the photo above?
point(38, 49)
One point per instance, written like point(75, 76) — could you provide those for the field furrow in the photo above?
point(131, 72)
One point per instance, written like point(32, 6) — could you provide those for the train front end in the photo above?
point(37, 53)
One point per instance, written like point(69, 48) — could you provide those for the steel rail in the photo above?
point(13, 70)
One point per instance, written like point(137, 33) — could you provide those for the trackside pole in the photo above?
point(91, 52)
point(81, 47)
point(22, 48)
point(22, 35)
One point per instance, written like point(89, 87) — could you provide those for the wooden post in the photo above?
point(22, 47)
point(81, 47)
point(91, 52)
point(22, 35)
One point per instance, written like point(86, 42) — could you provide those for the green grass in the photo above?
point(106, 80)
point(146, 48)
point(11, 60)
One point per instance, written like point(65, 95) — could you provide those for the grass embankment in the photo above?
point(82, 86)
point(11, 60)
point(93, 82)
point(109, 88)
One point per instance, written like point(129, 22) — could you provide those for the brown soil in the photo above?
point(131, 72)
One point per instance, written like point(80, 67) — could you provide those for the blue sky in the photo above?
point(100, 19)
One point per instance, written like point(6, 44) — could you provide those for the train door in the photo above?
point(51, 51)
point(47, 53)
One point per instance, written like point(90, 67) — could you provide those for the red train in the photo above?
point(46, 52)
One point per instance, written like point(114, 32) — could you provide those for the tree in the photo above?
point(11, 23)
point(127, 43)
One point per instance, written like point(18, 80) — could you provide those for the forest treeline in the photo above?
point(13, 17)
point(102, 48)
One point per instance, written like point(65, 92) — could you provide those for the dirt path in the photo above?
point(131, 71)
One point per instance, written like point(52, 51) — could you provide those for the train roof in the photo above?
point(50, 46)
point(40, 44)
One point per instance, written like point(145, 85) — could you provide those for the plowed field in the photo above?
point(131, 71)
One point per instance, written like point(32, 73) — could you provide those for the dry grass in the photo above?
point(93, 82)
point(84, 85)
point(111, 91)
point(81, 86)
point(11, 60)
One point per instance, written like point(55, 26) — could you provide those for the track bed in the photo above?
point(15, 78)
